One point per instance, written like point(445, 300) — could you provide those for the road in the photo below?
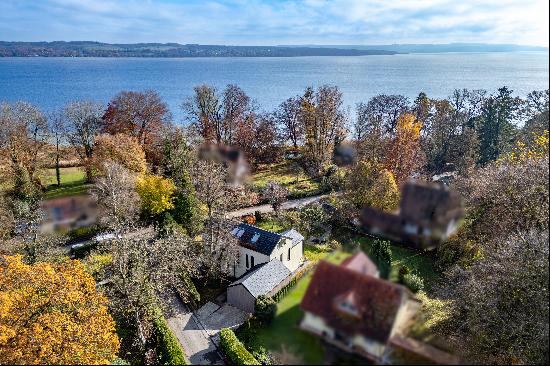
point(297, 203)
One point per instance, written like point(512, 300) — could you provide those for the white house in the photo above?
point(348, 306)
point(258, 246)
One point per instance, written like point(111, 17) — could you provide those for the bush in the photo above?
point(234, 350)
point(403, 271)
point(414, 282)
point(82, 233)
point(265, 309)
point(168, 348)
point(335, 245)
point(262, 355)
point(258, 216)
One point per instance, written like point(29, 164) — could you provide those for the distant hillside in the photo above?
point(97, 49)
point(438, 48)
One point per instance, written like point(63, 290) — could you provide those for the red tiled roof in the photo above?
point(377, 301)
point(360, 262)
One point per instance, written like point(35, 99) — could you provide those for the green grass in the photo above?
point(284, 328)
point(420, 263)
point(271, 224)
point(297, 182)
point(73, 182)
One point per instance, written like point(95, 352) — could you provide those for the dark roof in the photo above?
point(360, 262)
point(429, 202)
point(376, 301)
point(263, 278)
point(294, 235)
point(265, 241)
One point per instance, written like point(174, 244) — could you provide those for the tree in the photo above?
point(275, 195)
point(496, 129)
point(121, 149)
point(204, 111)
point(370, 132)
point(501, 303)
point(236, 112)
point(115, 191)
point(23, 135)
point(156, 194)
point(265, 309)
point(137, 114)
point(405, 154)
point(287, 115)
point(324, 124)
point(57, 127)
point(83, 126)
point(145, 274)
point(53, 314)
point(209, 179)
point(380, 252)
point(384, 111)
point(370, 184)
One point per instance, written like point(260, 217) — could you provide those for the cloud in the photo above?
point(277, 21)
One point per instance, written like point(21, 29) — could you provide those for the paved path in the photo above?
point(297, 203)
point(198, 332)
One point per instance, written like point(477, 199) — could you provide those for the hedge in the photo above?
point(297, 276)
point(234, 350)
point(168, 347)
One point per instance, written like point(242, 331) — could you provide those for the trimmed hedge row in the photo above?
point(168, 347)
point(234, 350)
point(299, 274)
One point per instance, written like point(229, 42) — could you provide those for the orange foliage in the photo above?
point(122, 149)
point(405, 153)
point(53, 314)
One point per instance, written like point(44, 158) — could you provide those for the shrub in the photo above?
point(262, 355)
point(234, 350)
point(249, 219)
point(265, 309)
point(403, 271)
point(414, 282)
point(168, 347)
point(258, 216)
point(335, 244)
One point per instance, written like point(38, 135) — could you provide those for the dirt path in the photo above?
point(267, 208)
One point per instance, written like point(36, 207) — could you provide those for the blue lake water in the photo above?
point(51, 82)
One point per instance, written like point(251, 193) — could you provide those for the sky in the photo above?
point(275, 22)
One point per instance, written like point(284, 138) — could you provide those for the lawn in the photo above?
point(73, 182)
point(420, 263)
point(284, 331)
point(288, 174)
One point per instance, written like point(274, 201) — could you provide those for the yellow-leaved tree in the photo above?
point(537, 148)
point(122, 149)
point(370, 184)
point(405, 153)
point(52, 313)
point(156, 193)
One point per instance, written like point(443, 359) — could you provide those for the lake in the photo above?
point(51, 82)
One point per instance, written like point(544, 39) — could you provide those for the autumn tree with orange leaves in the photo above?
point(405, 153)
point(53, 314)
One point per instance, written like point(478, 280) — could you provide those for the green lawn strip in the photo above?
point(73, 182)
point(284, 328)
point(271, 225)
point(420, 263)
point(298, 185)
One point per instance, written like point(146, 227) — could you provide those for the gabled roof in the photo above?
point(257, 239)
point(294, 235)
point(377, 301)
point(263, 278)
point(360, 262)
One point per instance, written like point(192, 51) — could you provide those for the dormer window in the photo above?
point(240, 233)
point(255, 238)
point(347, 305)
point(235, 230)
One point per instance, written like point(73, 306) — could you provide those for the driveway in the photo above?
point(198, 332)
point(297, 203)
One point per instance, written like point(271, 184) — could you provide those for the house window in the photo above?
point(251, 261)
point(247, 261)
point(288, 256)
point(281, 257)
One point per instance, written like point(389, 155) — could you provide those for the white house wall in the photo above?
point(316, 324)
point(296, 255)
point(240, 267)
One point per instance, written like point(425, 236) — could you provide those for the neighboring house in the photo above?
point(259, 246)
point(69, 213)
point(429, 213)
point(349, 307)
point(265, 279)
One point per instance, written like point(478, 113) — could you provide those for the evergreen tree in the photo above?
point(380, 252)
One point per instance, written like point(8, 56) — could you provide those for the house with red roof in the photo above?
point(350, 307)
